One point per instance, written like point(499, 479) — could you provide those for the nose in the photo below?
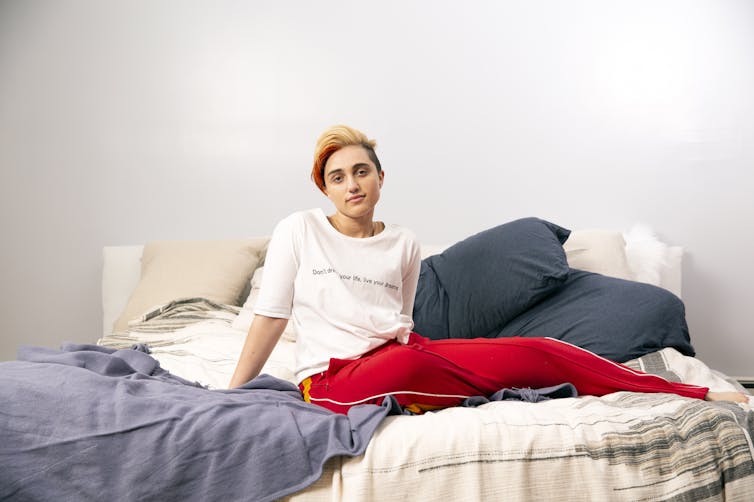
point(353, 186)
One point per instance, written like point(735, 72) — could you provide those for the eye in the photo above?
point(336, 179)
point(362, 172)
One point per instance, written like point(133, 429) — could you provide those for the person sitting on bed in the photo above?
point(347, 282)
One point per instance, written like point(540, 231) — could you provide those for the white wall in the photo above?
point(122, 122)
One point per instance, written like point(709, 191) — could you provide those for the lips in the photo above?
point(356, 198)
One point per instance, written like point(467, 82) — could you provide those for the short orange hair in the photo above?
point(332, 140)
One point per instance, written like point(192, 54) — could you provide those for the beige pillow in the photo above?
point(600, 251)
point(218, 270)
point(428, 250)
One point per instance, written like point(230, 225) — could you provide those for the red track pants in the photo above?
point(431, 374)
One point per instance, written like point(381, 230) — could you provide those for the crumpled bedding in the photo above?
point(89, 422)
point(94, 423)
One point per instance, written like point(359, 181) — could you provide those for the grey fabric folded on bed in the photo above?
point(526, 394)
point(93, 423)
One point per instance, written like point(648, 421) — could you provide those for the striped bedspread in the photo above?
point(624, 446)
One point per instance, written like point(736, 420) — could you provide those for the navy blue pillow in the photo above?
point(617, 319)
point(479, 284)
point(430, 305)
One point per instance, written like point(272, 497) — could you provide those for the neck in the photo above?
point(351, 227)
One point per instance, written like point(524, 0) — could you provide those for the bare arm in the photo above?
point(264, 333)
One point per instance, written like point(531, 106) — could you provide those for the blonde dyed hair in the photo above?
point(332, 140)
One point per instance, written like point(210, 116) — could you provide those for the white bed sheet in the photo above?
point(207, 352)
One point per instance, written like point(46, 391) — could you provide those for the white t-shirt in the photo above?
point(344, 295)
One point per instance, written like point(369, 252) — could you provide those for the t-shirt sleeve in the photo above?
point(411, 277)
point(280, 268)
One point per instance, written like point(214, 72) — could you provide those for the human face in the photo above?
point(353, 183)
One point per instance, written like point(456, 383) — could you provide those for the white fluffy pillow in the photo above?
point(244, 318)
point(647, 256)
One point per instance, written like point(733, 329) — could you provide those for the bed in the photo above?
point(144, 414)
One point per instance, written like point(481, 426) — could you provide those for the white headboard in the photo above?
point(121, 269)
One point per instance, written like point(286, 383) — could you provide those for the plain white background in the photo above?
point(127, 121)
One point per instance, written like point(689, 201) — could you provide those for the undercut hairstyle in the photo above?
point(332, 140)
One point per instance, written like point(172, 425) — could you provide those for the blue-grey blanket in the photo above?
point(91, 423)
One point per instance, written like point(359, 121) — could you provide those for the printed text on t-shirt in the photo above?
point(353, 278)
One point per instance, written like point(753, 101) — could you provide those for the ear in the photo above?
point(382, 177)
